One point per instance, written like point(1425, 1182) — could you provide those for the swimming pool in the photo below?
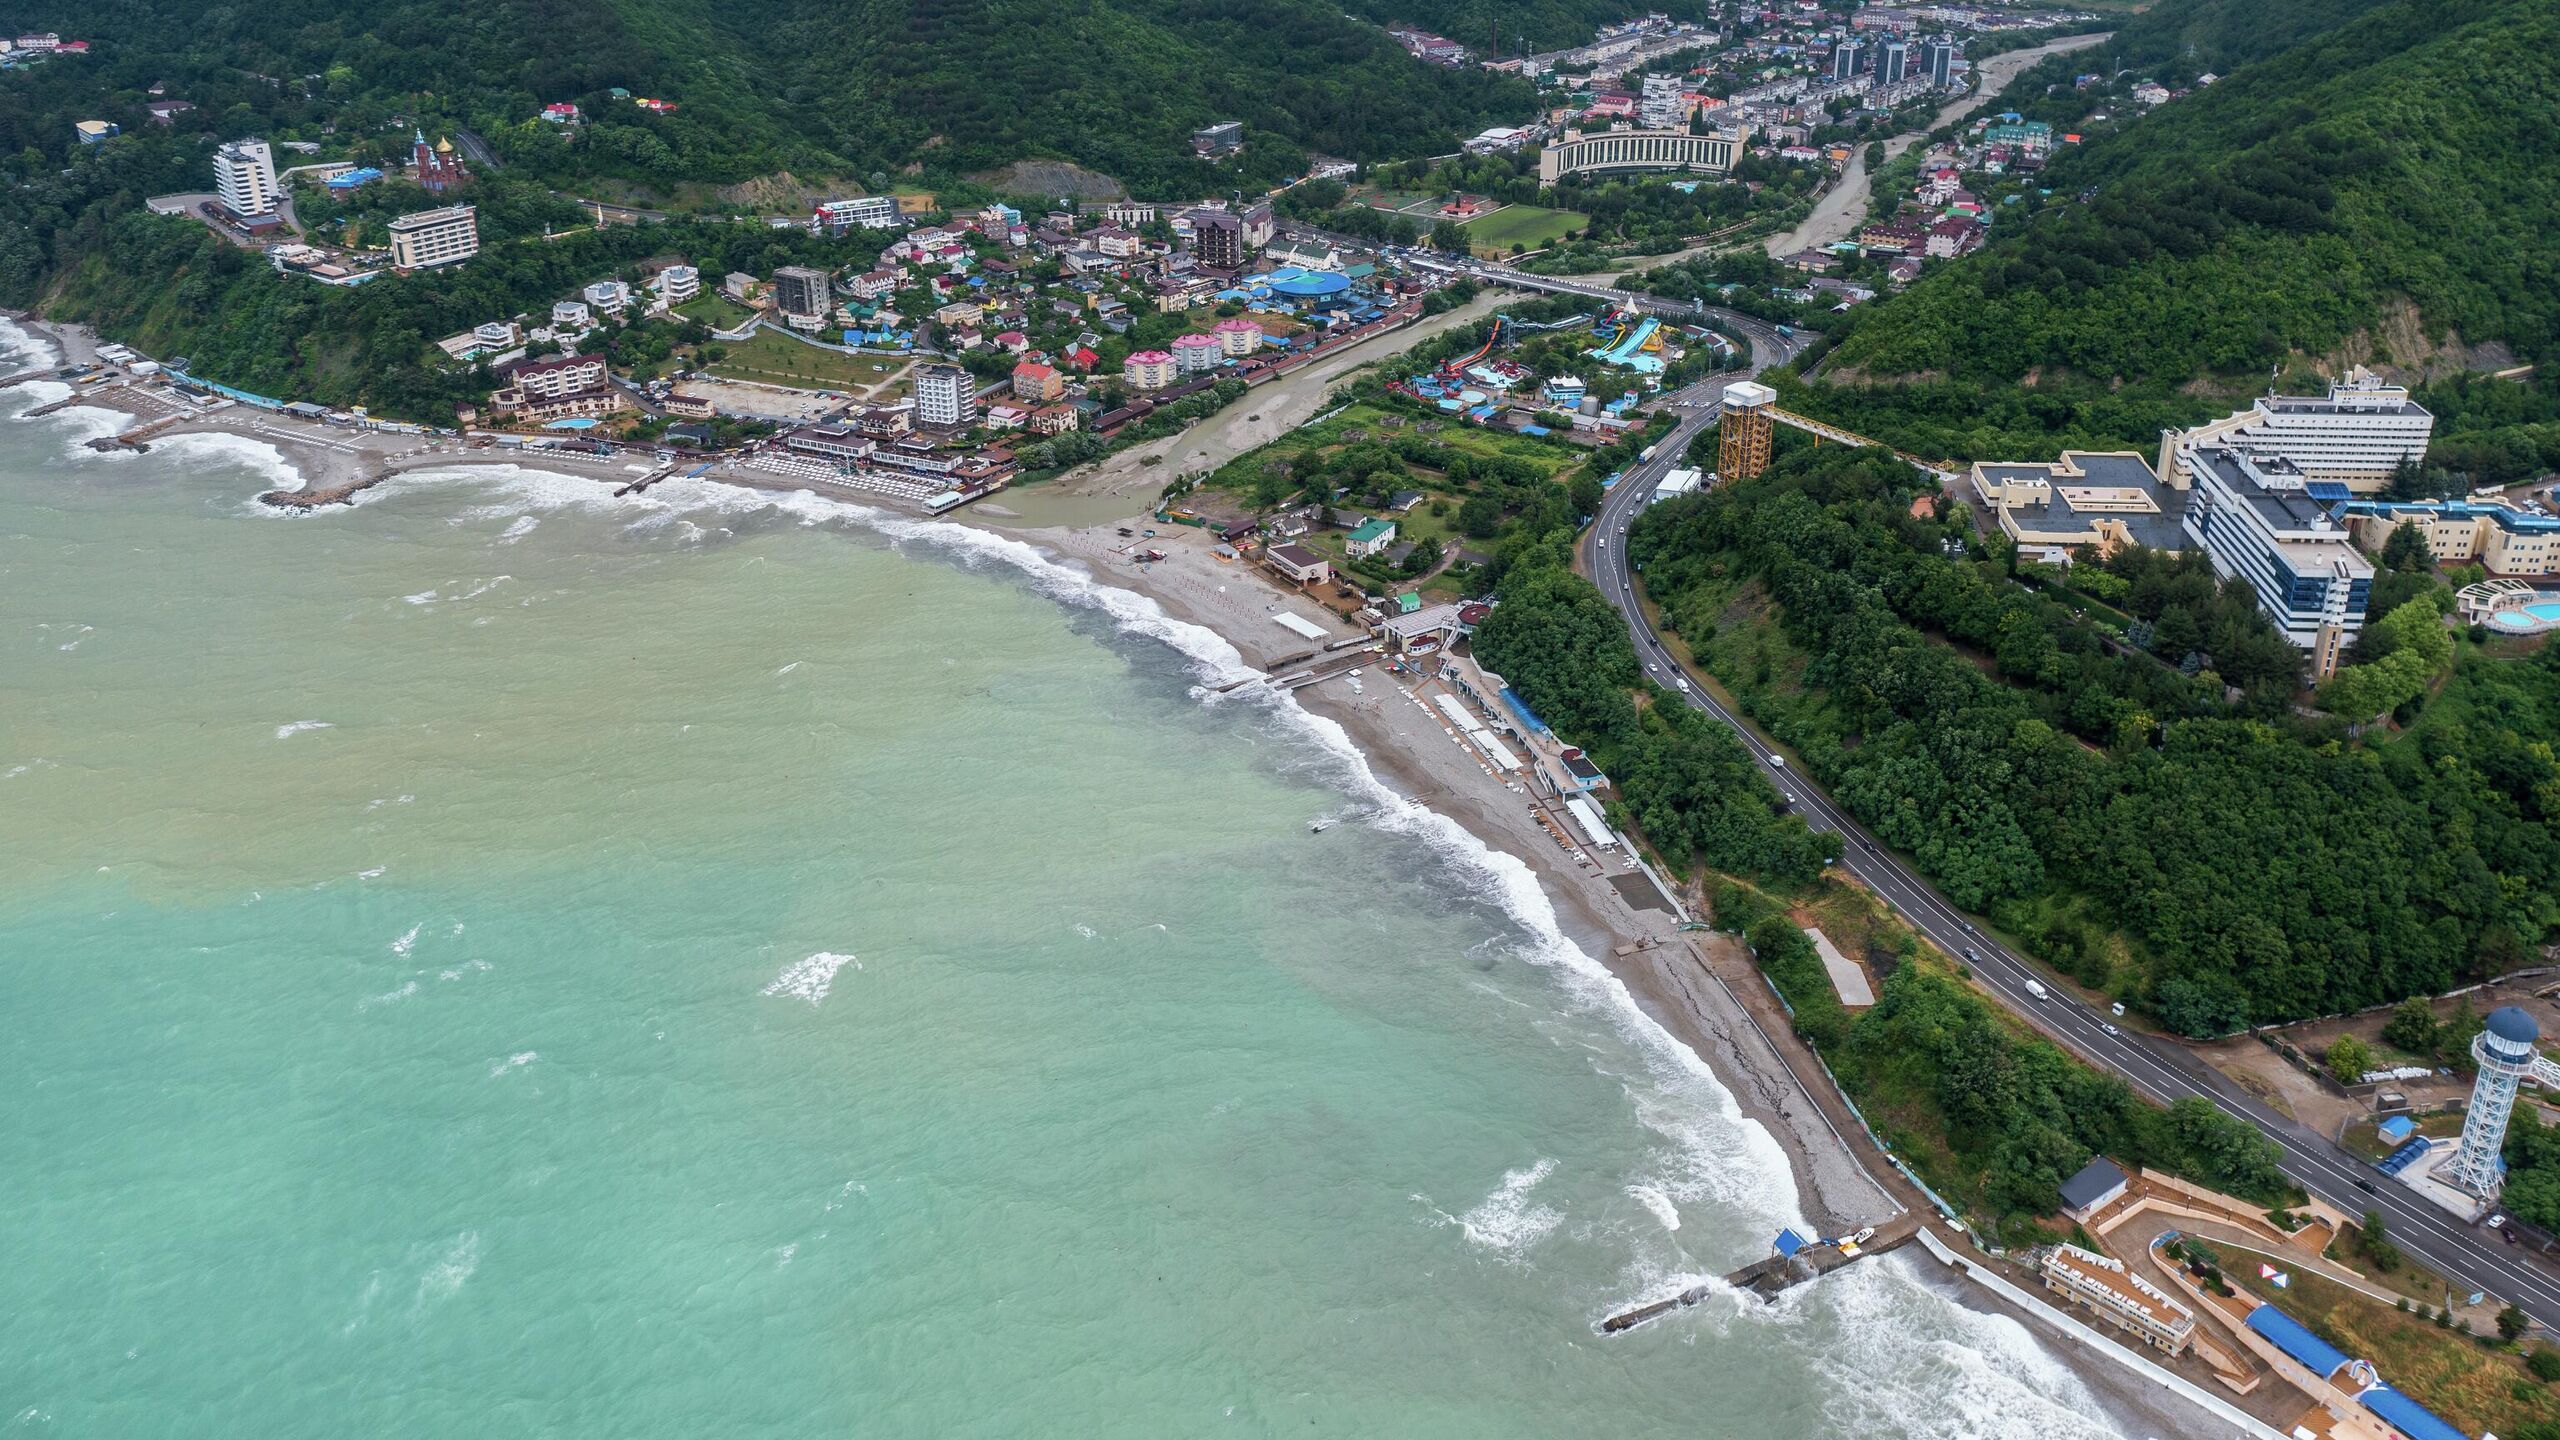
point(2541, 615)
point(581, 423)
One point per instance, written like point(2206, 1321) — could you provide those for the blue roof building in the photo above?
point(2413, 1420)
point(2288, 1335)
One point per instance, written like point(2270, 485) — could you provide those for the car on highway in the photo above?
point(2035, 988)
point(1683, 682)
point(2110, 1029)
point(1777, 762)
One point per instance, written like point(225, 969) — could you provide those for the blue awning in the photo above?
point(2286, 1334)
point(2407, 1416)
point(1789, 1242)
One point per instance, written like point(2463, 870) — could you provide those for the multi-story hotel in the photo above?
point(428, 238)
point(562, 385)
point(1576, 153)
point(2355, 436)
point(244, 174)
point(946, 397)
point(2258, 522)
point(2132, 1304)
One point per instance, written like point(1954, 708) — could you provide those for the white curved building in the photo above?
point(1575, 153)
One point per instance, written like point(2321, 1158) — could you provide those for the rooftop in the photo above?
point(2095, 1179)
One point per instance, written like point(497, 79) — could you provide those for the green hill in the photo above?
point(814, 87)
point(2380, 191)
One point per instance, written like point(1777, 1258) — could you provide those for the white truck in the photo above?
point(2036, 988)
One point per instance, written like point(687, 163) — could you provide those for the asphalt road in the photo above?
point(2474, 1258)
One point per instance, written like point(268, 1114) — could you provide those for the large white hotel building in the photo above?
point(2356, 435)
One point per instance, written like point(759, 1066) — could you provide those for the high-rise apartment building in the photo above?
point(946, 397)
point(244, 175)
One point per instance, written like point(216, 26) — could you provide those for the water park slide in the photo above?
point(1624, 352)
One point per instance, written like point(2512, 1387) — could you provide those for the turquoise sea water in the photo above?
point(495, 961)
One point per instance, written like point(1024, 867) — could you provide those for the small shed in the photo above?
point(2093, 1189)
point(2398, 1128)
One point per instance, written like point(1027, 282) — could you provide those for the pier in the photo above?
point(307, 498)
point(1792, 1265)
point(136, 438)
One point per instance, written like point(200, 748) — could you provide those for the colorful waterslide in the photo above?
point(1629, 351)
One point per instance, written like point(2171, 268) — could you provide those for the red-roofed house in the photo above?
point(1036, 382)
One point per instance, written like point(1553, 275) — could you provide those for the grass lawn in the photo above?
point(2475, 1387)
point(717, 311)
point(1532, 227)
point(775, 360)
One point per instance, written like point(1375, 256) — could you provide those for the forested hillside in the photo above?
point(1519, 24)
point(2284, 211)
point(2222, 863)
point(817, 87)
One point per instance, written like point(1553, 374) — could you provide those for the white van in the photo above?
point(2036, 988)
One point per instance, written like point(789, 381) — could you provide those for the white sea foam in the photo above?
point(1657, 1202)
point(273, 469)
point(389, 997)
point(517, 1061)
point(24, 348)
point(452, 1264)
point(812, 978)
point(423, 597)
point(1929, 1366)
point(1508, 1221)
point(403, 945)
point(287, 732)
point(519, 528)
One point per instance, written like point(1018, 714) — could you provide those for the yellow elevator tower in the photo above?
point(1744, 427)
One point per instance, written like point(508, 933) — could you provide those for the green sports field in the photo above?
point(1531, 227)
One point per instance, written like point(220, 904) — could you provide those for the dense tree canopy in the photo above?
point(2283, 210)
point(2029, 758)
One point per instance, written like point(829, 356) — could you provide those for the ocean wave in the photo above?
point(389, 997)
point(451, 1265)
point(1657, 1202)
point(287, 732)
point(1508, 1222)
point(517, 1061)
point(810, 979)
point(1715, 1150)
point(23, 348)
point(246, 451)
point(1928, 1365)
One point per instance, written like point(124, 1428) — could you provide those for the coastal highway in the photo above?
point(2472, 1257)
